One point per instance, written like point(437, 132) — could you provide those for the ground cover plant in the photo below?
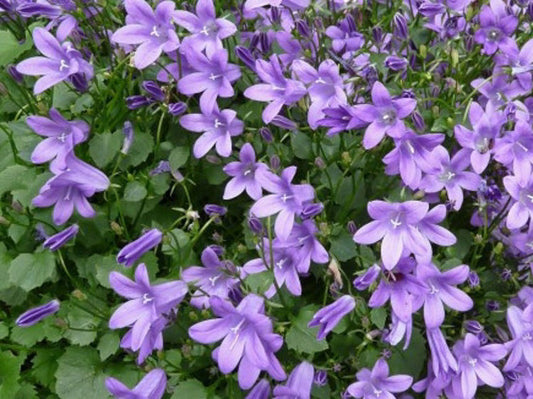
point(256, 199)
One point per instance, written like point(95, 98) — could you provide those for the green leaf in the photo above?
point(63, 96)
point(260, 282)
point(190, 389)
point(135, 192)
point(29, 271)
point(108, 345)
point(45, 365)
point(302, 338)
point(302, 145)
point(178, 157)
point(10, 47)
point(4, 330)
point(28, 336)
point(83, 324)
point(104, 147)
point(142, 146)
point(79, 375)
point(378, 316)
point(343, 247)
point(9, 374)
point(12, 178)
point(412, 360)
point(105, 265)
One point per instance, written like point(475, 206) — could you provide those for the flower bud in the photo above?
point(214, 210)
point(311, 210)
point(33, 316)
point(266, 134)
point(177, 109)
point(303, 28)
point(275, 162)
point(321, 378)
point(137, 101)
point(134, 250)
point(284, 123)
point(395, 63)
point(255, 225)
point(473, 279)
point(153, 90)
point(367, 279)
point(246, 57)
point(58, 240)
point(16, 75)
point(127, 130)
point(162, 167)
point(473, 326)
point(418, 121)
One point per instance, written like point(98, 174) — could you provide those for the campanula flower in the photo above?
point(261, 390)
point(515, 149)
point(152, 386)
point(33, 316)
point(521, 344)
point(496, 25)
point(328, 317)
point(299, 383)
point(53, 243)
point(135, 249)
point(521, 191)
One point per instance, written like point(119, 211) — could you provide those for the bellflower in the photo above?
point(432, 232)
point(70, 188)
point(152, 386)
point(476, 366)
point(303, 240)
point(377, 384)
point(515, 149)
point(213, 77)
point(207, 31)
point(153, 31)
point(442, 359)
point(277, 90)
point(496, 25)
point(216, 278)
point(367, 278)
point(58, 240)
point(62, 136)
point(521, 63)
point(325, 87)
point(153, 340)
point(521, 191)
point(261, 390)
point(33, 316)
point(328, 317)
point(60, 62)
point(384, 116)
point(451, 175)
point(286, 200)
point(299, 383)
point(146, 302)
point(339, 119)
point(217, 128)
point(244, 175)
point(247, 338)
point(441, 290)
point(521, 345)
point(412, 155)
point(344, 36)
point(396, 225)
point(135, 249)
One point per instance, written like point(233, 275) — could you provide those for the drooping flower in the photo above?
point(451, 175)
point(62, 136)
point(441, 290)
point(396, 225)
point(135, 249)
point(33, 316)
point(299, 383)
point(286, 200)
point(153, 31)
point(496, 25)
point(261, 390)
point(207, 31)
point(217, 128)
point(146, 302)
point(216, 278)
point(277, 90)
point(476, 366)
point(53, 243)
point(213, 77)
point(377, 384)
point(367, 278)
point(442, 359)
point(384, 115)
point(247, 339)
point(244, 173)
point(328, 317)
point(152, 386)
point(60, 62)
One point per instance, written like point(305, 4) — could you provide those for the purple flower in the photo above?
point(442, 359)
point(245, 175)
point(247, 339)
point(299, 383)
point(213, 77)
point(431, 232)
point(521, 345)
point(62, 136)
point(59, 63)
point(340, 119)
point(344, 36)
point(153, 31)
point(153, 340)
point(367, 278)
point(33, 316)
point(486, 126)
point(325, 87)
point(127, 131)
point(412, 155)
point(70, 188)
point(441, 290)
point(152, 386)
point(58, 240)
point(277, 90)
point(177, 109)
point(476, 366)
point(207, 31)
point(286, 200)
point(451, 175)
point(328, 317)
point(396, 225)
point(135, 249)
point(321, 378)
point(261, 390)
point(217, 128)
point(216, 278)
point(146, 302)
point(496, 25)
point(377, 384)
point(515, 149)
point(303, 240)
point(521, 190)
point(385, 115)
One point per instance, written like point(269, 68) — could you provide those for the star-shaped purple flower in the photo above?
point(151, 386)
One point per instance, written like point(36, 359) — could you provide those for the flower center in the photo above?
point(447, 176)
point(320, 80)
point(410, 147)
point(522, 146)
point(205, 30)
point(67, 195)
point(494, 34)
point(482, 146)
point(280, 263)
point(388, 117)
point(214, 279)
point(147, 299)
point(154, 31)
point(396, 222)
point(218, 123)
point(285, 197)
point(63, 65)
point(432, 289)
point(62, 137)
point(472, 362)
point(214, 77)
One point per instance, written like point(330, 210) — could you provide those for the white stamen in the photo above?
point(205, 31)
point(63, 65)
point(530, 197)
point(62, 137)
point(396, 222)
point(433, 290)
point(147, 299)
point(410, 147)
point(218, 123)
point(214, 279)
point(285, 197)
point(472, 362)
point(67, 195)
point(281, 262)
point(235, 330)
point(154, 31)
point(214, 77)
point(320, 80)
point(519, 144)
